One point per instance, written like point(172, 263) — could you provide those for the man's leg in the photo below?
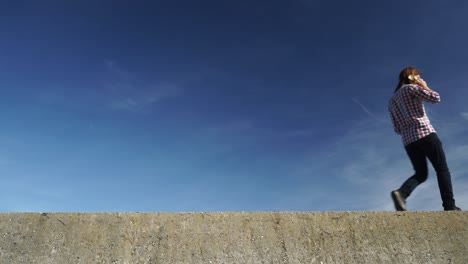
point(434, 151)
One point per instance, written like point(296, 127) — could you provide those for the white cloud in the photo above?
point(464, 115)
point(120, 90)
point(126, 91)
point(362, 167)
point(134, 98)
point(114, 68)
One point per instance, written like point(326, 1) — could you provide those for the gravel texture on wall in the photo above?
point(234, 237)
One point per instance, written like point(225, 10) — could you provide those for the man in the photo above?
point(419, 138)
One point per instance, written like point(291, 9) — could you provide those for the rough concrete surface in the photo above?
point(238, 237)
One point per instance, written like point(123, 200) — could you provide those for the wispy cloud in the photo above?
point(464, 115)
point(118, 89)
point(363, 107)
point(113, 67)
point(133, 98)
point(369, 161)
point(126, 91)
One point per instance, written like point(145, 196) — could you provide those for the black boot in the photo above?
point(452, 208)
point(398, 200)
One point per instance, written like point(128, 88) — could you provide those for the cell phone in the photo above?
point(413, 78)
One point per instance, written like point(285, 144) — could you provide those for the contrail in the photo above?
point(363, 107)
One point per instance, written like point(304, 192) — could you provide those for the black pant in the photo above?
point(430, 147)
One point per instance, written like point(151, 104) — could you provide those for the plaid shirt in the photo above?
point(408, 114)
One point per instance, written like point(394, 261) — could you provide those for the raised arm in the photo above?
point(423, 92)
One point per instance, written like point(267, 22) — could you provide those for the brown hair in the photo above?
point(404, 76)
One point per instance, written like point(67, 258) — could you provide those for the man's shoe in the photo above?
point(399, 201)
point(453, 208)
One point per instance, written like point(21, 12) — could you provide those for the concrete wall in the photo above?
point(277, 237)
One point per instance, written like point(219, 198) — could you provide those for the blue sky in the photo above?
point(222, 105)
